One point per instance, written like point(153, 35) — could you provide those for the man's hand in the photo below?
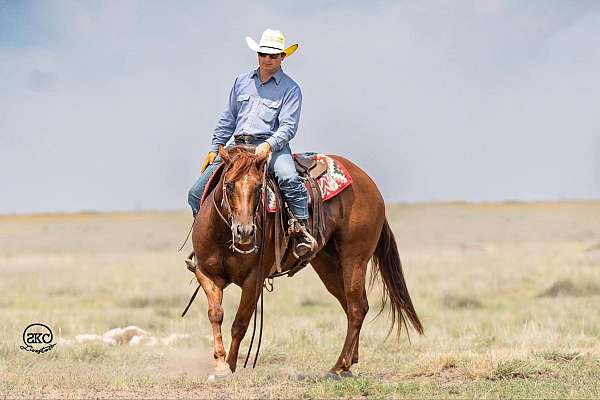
point(210, 158)
point(262, 151)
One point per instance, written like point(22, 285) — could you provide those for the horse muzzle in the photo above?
point(244, 234)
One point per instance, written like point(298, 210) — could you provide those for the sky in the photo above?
point(108, 105)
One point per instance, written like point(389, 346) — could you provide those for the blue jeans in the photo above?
point(282, 166)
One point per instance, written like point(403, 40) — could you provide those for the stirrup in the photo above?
point(297, 229)
point(307, 241)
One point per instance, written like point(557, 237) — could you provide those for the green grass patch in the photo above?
point(513, 369)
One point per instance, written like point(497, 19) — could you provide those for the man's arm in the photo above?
point(289, 118)
point(226, 123)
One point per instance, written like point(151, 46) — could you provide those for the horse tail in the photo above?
point(386, 262)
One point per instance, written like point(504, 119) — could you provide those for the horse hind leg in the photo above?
point(353, 271)
point(356, 243)
point(329, 269)
point(365, 305)
point(357, 311)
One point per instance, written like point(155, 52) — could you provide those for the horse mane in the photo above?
point(242, 163)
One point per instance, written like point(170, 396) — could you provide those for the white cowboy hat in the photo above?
point(271, 42)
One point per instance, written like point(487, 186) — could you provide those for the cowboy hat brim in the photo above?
point(269, 50)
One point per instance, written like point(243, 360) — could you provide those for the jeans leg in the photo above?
point(292, 188)
point(197, 189)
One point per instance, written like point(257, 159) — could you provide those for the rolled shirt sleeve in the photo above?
point(289, 118)
point(226, 123)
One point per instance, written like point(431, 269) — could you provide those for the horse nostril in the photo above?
point(252, 229)
point(239, 230)
point(245, 230)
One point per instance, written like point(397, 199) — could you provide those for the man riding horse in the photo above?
point(263, 109)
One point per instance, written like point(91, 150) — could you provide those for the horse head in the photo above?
point(242, 190)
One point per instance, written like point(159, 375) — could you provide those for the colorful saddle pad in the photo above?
point(335, 179)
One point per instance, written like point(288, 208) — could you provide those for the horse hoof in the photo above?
point(346, 374)
point(219, 375)
point(332, 376)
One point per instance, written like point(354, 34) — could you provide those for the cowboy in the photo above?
point(263, 109)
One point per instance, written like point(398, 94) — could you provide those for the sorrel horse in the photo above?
point(356, 231)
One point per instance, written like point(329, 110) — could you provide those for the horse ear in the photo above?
point(224, 155)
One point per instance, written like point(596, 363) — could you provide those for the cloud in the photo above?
point(112, 107)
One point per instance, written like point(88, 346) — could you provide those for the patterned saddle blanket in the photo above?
point(331, 176)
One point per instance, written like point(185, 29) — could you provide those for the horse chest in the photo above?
point(238, 268)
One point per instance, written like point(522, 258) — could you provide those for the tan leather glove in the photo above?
point(210, 158)
point(262, 150)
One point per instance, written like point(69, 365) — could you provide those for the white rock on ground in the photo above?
point(131, 335)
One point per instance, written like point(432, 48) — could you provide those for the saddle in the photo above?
point(308, 165)
point(309, 169)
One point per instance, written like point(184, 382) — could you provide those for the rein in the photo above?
point(259, 275)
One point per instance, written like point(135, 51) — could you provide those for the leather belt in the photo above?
point(248, 139)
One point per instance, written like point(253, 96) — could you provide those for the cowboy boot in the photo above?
point(306, 245)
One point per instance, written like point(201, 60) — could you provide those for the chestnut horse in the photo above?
point(356, 231)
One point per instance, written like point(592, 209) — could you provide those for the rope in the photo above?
point(191, 301)
point(189, 233)
point(261, 327)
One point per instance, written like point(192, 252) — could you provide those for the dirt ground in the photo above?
point(508, 294)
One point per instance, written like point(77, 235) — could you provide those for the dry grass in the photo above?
point(458, 301)
point(507, 294)
point(553, 355)
point(566, 287)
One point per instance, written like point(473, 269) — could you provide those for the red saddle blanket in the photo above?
point(332, 182)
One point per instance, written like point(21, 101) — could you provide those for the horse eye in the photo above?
point(229, 186)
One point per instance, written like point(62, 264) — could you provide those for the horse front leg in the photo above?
point(246, 307)
point(213, 287)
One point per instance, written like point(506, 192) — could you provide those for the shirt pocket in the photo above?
point(243, 101)
point(268, 109)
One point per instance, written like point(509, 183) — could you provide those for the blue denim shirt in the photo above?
point(269, 111)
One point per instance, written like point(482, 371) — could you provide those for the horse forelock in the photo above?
point(241, 164)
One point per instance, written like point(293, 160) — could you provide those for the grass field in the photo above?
point(509, 295)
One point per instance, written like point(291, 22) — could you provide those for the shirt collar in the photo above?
point(277, 77)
